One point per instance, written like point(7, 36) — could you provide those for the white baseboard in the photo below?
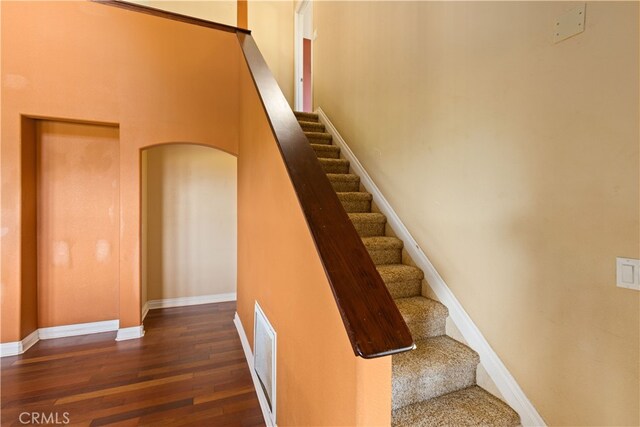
point(130, 333)
point(264, 405)
point(145, 311)
point(498, 372)
point(30, 340)
point(18, 347)
point(12, 348)
point(185, 301)
point(78, 329)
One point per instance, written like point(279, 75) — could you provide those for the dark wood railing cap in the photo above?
point(371, 318)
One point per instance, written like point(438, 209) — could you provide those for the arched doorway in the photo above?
point(188, 225)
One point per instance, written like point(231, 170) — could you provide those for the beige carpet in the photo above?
point(435, 384)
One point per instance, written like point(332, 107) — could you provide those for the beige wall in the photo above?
point(514, 162)
point(191, 221)
point(159, 80)
point(271, 25)
point(222, 11)
point(320, 382)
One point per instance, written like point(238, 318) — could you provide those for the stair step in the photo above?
point(307, 117)
point(402, 280)
point(311, 126)
point(437, 366)
point(368, 224)
point(334, 165)
point(384, 250)
point(472, 406)
point(325, 151)
point(344, 181)
point(425, 317)
point(359, 201)
point(319, 137)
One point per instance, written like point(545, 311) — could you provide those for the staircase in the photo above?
point(434, 385)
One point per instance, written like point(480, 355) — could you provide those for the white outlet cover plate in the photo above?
point(628, 273)
point(569, 24)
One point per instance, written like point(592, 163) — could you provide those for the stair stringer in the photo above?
point(506, 384)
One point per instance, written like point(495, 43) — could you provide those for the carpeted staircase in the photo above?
point(435, 384)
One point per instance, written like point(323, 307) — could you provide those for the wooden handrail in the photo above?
point(371, 318)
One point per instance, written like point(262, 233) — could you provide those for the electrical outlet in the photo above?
point(628, 273)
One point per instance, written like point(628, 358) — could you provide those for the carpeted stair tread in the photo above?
point(368, 224)
point(326, 151)
point(382, 242)
point(354, 195)
point(335, 165)
point(384, 249)
point(425, 317)
point(344, 181)
point(311, 126)
point(437, 366)
point(472, 406)
point(402, 280)
point(319, 137)
point(308, 117)
point(355, 201)
point(399, 272)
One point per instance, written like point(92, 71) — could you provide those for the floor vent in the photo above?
point(264, 358)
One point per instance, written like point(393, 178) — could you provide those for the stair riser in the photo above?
point(386, 256)
point(322, 141)
point(335, 167)
point(369, 229)
point(312, 127)
point(307, 117)
point(408, 288)
point(345, 186)
point(326, 154)
point(434, 327)
point(356, 206)
point(430, 384)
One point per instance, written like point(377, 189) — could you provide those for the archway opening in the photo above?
point(188, 226)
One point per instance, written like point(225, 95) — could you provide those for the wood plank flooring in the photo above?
point(188, 370)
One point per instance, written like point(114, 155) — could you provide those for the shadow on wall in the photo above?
point(188, 222)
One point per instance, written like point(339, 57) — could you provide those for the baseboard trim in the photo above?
point(248, 354)
point(15, 348)
point(186, 301)
point(78, 329)
point(130, 333)
point(508, 386)
point(18, 347)
point(30, 340)
point(145, 311)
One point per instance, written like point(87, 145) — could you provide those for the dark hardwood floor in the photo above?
point(188, 369)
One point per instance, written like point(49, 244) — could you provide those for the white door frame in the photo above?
point(298, 27)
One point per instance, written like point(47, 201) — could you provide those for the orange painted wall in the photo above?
point(78, 205)
point(242, 14)
point(159, 80)
point(320, 381)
